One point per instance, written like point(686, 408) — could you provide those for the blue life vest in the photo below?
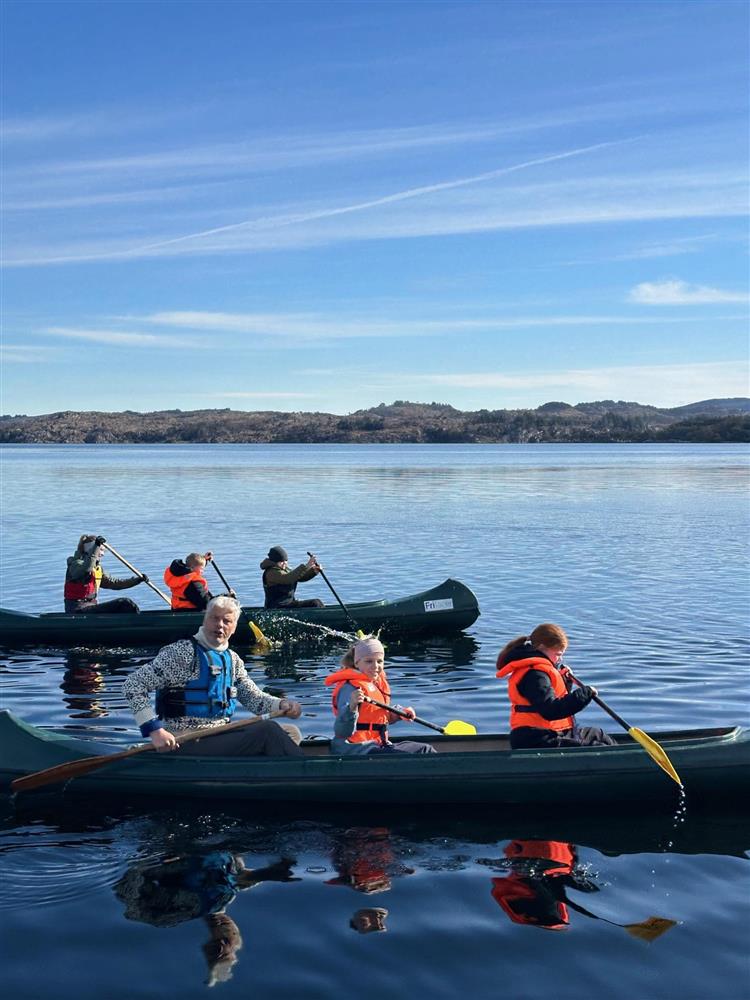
point(210, 696)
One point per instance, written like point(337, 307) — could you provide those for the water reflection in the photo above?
point(534, 892)
point(197, 885)
point(82, 681)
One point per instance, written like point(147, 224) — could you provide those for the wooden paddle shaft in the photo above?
point(74, 769)
point(405, 715)
point(137, 572)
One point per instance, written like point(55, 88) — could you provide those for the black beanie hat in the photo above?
point(277, 554)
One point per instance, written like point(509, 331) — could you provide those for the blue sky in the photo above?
point(325, 206)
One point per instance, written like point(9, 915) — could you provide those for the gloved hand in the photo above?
point(100, 540)
point(144, 578)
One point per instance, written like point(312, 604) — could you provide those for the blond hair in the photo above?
point(195, 559)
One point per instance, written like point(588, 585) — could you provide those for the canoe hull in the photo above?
point(443, 610)
point(478, 771)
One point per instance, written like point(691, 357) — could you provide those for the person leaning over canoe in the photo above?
point(361, 728)
point(280, 582)
point(187, 584)
point(198, 683)
point(542, 699)
point(84, 576)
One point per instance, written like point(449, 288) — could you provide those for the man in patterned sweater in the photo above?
point(198, 683)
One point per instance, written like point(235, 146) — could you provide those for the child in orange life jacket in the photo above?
point(186, 582)
point(541, 693)
point(362, 728)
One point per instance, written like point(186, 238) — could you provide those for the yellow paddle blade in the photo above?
point(650, 929)
point(360, 634)
point(458, 728)
point(655, 752)
point(258, 637)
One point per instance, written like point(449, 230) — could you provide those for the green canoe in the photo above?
point(479, 770)
point(445, 609)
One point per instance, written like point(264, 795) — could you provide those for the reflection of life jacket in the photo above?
point(525, 902)
point(363, 860)
point(179, 583)
point(83, 590)
point(544, 850)
point(209, 696)
point(521, 712)
point(372, 722)
point(529, 897)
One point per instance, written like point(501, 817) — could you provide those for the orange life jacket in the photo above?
point(179, 584)
point(521, 713)
point(544, 850)
point(523, 902)
point(372, 722)
point(83, 590)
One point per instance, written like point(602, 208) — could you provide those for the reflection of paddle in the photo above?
point(330, 587)
point(655, 751)
point(647, 930)
point(137, 572)
point(74, 769)
point(454, 728)
point(260, 638)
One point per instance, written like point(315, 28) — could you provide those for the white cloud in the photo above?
point(23, 354)
point(312, 326)
point(118, 338)
point(659, 385)
point(673, 292)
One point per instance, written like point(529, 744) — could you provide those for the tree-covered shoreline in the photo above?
point(606, 421)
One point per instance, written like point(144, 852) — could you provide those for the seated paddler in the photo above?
point(84, 577)
point(187, 584)
point(280, 580)
point(198, 683)
point(361, 727)
point(543, 702)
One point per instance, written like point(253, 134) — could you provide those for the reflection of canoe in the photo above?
point(444, 609)
point(713, 763)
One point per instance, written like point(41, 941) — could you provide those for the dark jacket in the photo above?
point(280, 584)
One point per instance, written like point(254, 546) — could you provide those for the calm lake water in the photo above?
point(640, 552)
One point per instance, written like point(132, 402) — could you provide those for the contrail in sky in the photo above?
point(385, 200)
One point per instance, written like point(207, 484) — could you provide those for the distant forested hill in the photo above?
point(712, 420)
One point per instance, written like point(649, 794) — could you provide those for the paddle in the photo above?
point(454, 728)
point(137, 572)
point(330, 587)
point(260, 638)
point(74, 769)
point(647, 930)
point(655, 751)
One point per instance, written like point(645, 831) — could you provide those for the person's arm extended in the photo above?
point(113, 583)
point(197, 591)
point(173, 666)
point(535, 686)
point(298, 574)
point(345, 723)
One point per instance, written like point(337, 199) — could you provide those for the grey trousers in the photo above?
point(261, 739)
